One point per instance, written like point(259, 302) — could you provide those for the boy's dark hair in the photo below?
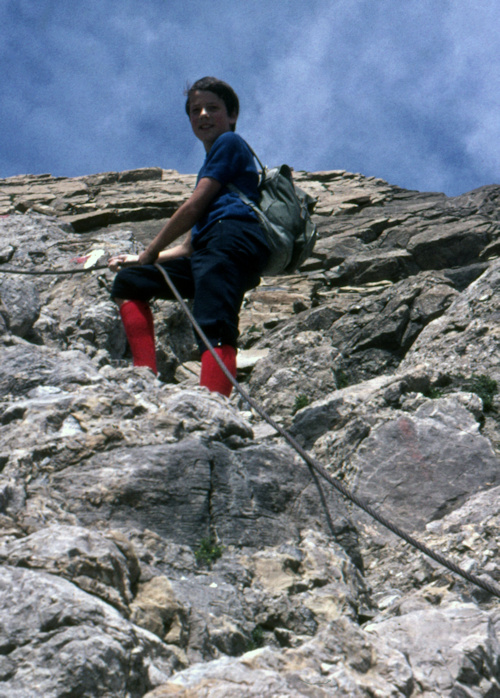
point(219, 88)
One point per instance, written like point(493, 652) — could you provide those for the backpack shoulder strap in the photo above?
point(242, 196)
point(262, 168)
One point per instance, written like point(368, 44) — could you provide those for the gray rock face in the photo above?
point(57, 640)
point(456, 644)
point(28, 367)
point(159, 540)
point(470, 327)
point(95, 563)
point(20, 305)
point(187, 491)
point(419, 466)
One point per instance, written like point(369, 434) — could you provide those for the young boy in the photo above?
point(223, 253)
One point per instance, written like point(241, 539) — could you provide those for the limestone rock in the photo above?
point(26, 367)
point(421, 465)
point(93, 562)
point(188, 491)
point(466, 337)
point(19, 305)
point(156, 539)
point(58, 639)
point(454, 646)
point(157, 609)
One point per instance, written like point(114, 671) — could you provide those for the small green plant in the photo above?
point(208, 551)
point(257, 638)
point(300, 402)
point(434, 393)
point(342, 379)
point(485, 388)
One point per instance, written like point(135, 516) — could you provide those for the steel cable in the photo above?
point(44, 272)
point(311, 462)
point(486, 585)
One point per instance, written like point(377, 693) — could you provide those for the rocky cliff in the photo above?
point(159, 540)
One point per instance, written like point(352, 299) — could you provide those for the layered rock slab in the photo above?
point(257, 495)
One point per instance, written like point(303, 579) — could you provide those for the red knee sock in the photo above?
point(137, 320)
point(211, 375)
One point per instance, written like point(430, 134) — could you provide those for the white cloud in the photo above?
point(406, 91)
point(475, 66)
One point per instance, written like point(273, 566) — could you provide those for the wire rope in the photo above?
point(313, 464)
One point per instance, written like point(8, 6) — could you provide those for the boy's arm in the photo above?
point(183, 249)
point(183, 219)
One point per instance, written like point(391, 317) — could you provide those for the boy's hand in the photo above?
point(122, 260)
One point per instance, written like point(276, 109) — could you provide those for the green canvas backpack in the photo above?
point(284, 212)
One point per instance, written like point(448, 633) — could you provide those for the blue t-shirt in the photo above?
point(229, 160)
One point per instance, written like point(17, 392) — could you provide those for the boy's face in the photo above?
point(209, 118)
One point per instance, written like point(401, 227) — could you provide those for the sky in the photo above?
point(405, 90)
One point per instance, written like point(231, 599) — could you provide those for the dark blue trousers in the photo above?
point(227, 261)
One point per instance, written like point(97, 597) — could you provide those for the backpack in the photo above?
point(284, 212)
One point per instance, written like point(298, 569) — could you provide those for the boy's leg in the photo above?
point(211, 375)
point(138, 323)
point(133, 287)
point(226, 267)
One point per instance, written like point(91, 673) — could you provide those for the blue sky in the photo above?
point(406, 90)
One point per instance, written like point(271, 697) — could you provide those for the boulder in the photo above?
point(58, 639)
